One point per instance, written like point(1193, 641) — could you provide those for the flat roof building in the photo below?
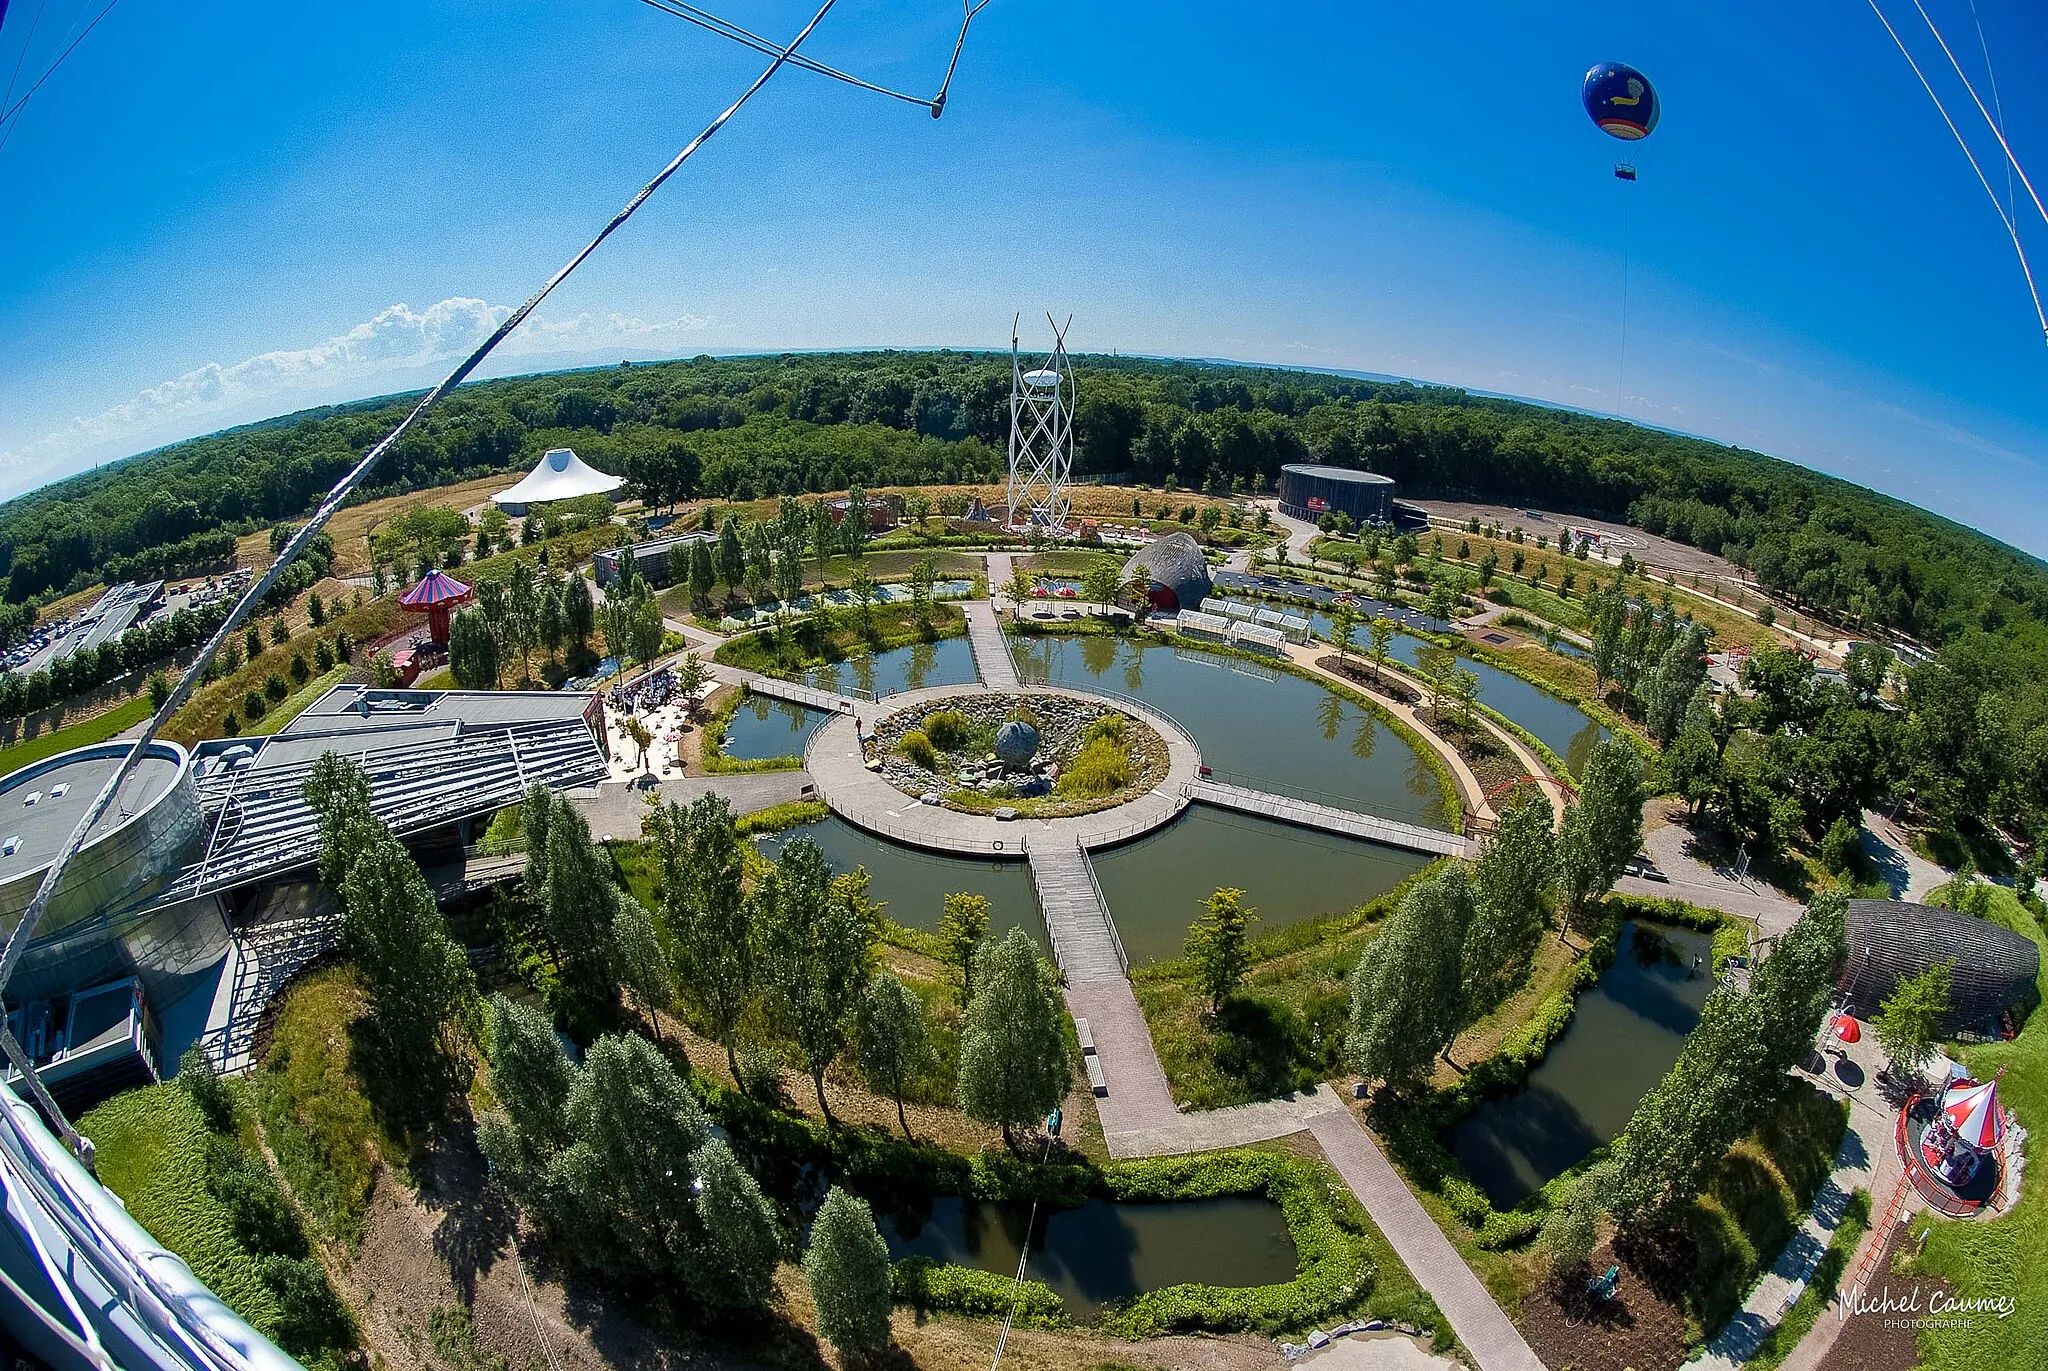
point(1309, 492)
point(652, 557)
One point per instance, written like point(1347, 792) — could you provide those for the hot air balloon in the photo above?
point(1620, 100)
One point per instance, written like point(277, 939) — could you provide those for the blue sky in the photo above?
point(215, 212)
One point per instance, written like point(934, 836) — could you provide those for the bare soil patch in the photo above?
point(1639, 1328)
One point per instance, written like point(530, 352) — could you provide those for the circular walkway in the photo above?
point(864, 799)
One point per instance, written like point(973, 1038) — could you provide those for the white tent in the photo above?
point(559, 475)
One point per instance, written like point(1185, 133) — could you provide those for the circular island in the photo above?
point(978, 772)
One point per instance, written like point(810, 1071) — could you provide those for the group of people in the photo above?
point(649, 692)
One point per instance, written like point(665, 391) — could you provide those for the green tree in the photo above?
point(159, 690)
point(735, 1268)
point(643, 966)
point(531, 1076)
point(418, 978)
point(820, 932)
point(847, 1268)
point(1382, 630)
point(579, 615)
point(961, 928)
point(577, 900)
point(691, 676)
point(712, 921)
point(1511, 885)
point(1572, 1227)
point(1216, 945)
point(1101, 582)
point(622, 1191)
point(732, 555)
point(473, 651)
point(703, 572)
point(1604, 828)
point(337, 790)
point(1795, 986)
point(1343, 626)
point(1405, 991)
point(1693, 763)
point(1013, 1053)
point(1908, 1023)
point(893, 1040)
point(924, 573)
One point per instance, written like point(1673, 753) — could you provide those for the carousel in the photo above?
point(1952, 1144)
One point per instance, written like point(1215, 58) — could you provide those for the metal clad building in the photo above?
point(1310, 492)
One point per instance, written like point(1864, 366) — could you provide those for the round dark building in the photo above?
point(1310, 492)
point(1993, 972)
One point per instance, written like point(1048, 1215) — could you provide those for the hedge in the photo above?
point(1325, 1223)
point(925, 1284)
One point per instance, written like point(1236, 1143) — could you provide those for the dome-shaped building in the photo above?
point(1995, 969)
point(1175, 570)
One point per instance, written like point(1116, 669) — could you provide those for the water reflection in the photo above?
point(763, 727)
point(1624, 1035)
point(913, 885)
point(1155, 887)
point(1103, 1251)
point(1259, 726)
point(949, 661)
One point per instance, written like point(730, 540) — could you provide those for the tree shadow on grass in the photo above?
point(1263, 1045)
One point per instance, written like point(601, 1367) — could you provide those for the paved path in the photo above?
point(1868, 1159)
point(1695, 882)
point(1084, 942)
point(1328, 818)
point(1137, 1102)
point(838, 767)
point(1239, 1126)
point(1494, 1342)
point(1909, 874)
point(992, 657)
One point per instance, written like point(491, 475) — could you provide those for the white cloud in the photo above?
point(395, 344)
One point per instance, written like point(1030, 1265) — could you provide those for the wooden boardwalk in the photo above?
point(1083, 941)
point(992, 657)
point(1329, 819)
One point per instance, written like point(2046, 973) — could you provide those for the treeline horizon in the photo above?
point(796, 423)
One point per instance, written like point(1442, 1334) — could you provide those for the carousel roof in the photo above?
point(559, 475)
point(435, 588)
point(1973, 1111)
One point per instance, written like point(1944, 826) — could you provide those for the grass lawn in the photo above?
point(295, 704)
point(775, 653)
point(316, 1111)
point(2002, 1256)
point(1069, 561)
point(97, 729)
point(151, 1151)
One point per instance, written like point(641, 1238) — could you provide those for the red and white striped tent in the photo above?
point(1975, 1114)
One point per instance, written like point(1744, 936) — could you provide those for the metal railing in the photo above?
point(1102, 903)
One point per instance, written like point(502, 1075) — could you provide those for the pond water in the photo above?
point(913, 885)
point(764, 727)
point(1624, 1035)
point(1564, 728)
point(949, 661)
point(1105, 1251)
point(1257, 726)
point(1155, 886)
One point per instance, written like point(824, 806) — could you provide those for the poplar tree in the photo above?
point(847, 1267)
point(962, 927)
point(1013, 1053)
point(1511, 884)
point(734, 1269)
point(893, 1039)
point(1405, 992)
point(1216, 945)
point(1604, 828)
point(708, 913)
point(643, 966)
point(821, 936)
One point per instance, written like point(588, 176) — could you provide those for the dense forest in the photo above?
point(745, 427)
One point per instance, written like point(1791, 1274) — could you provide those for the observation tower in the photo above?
point(1041, 438)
